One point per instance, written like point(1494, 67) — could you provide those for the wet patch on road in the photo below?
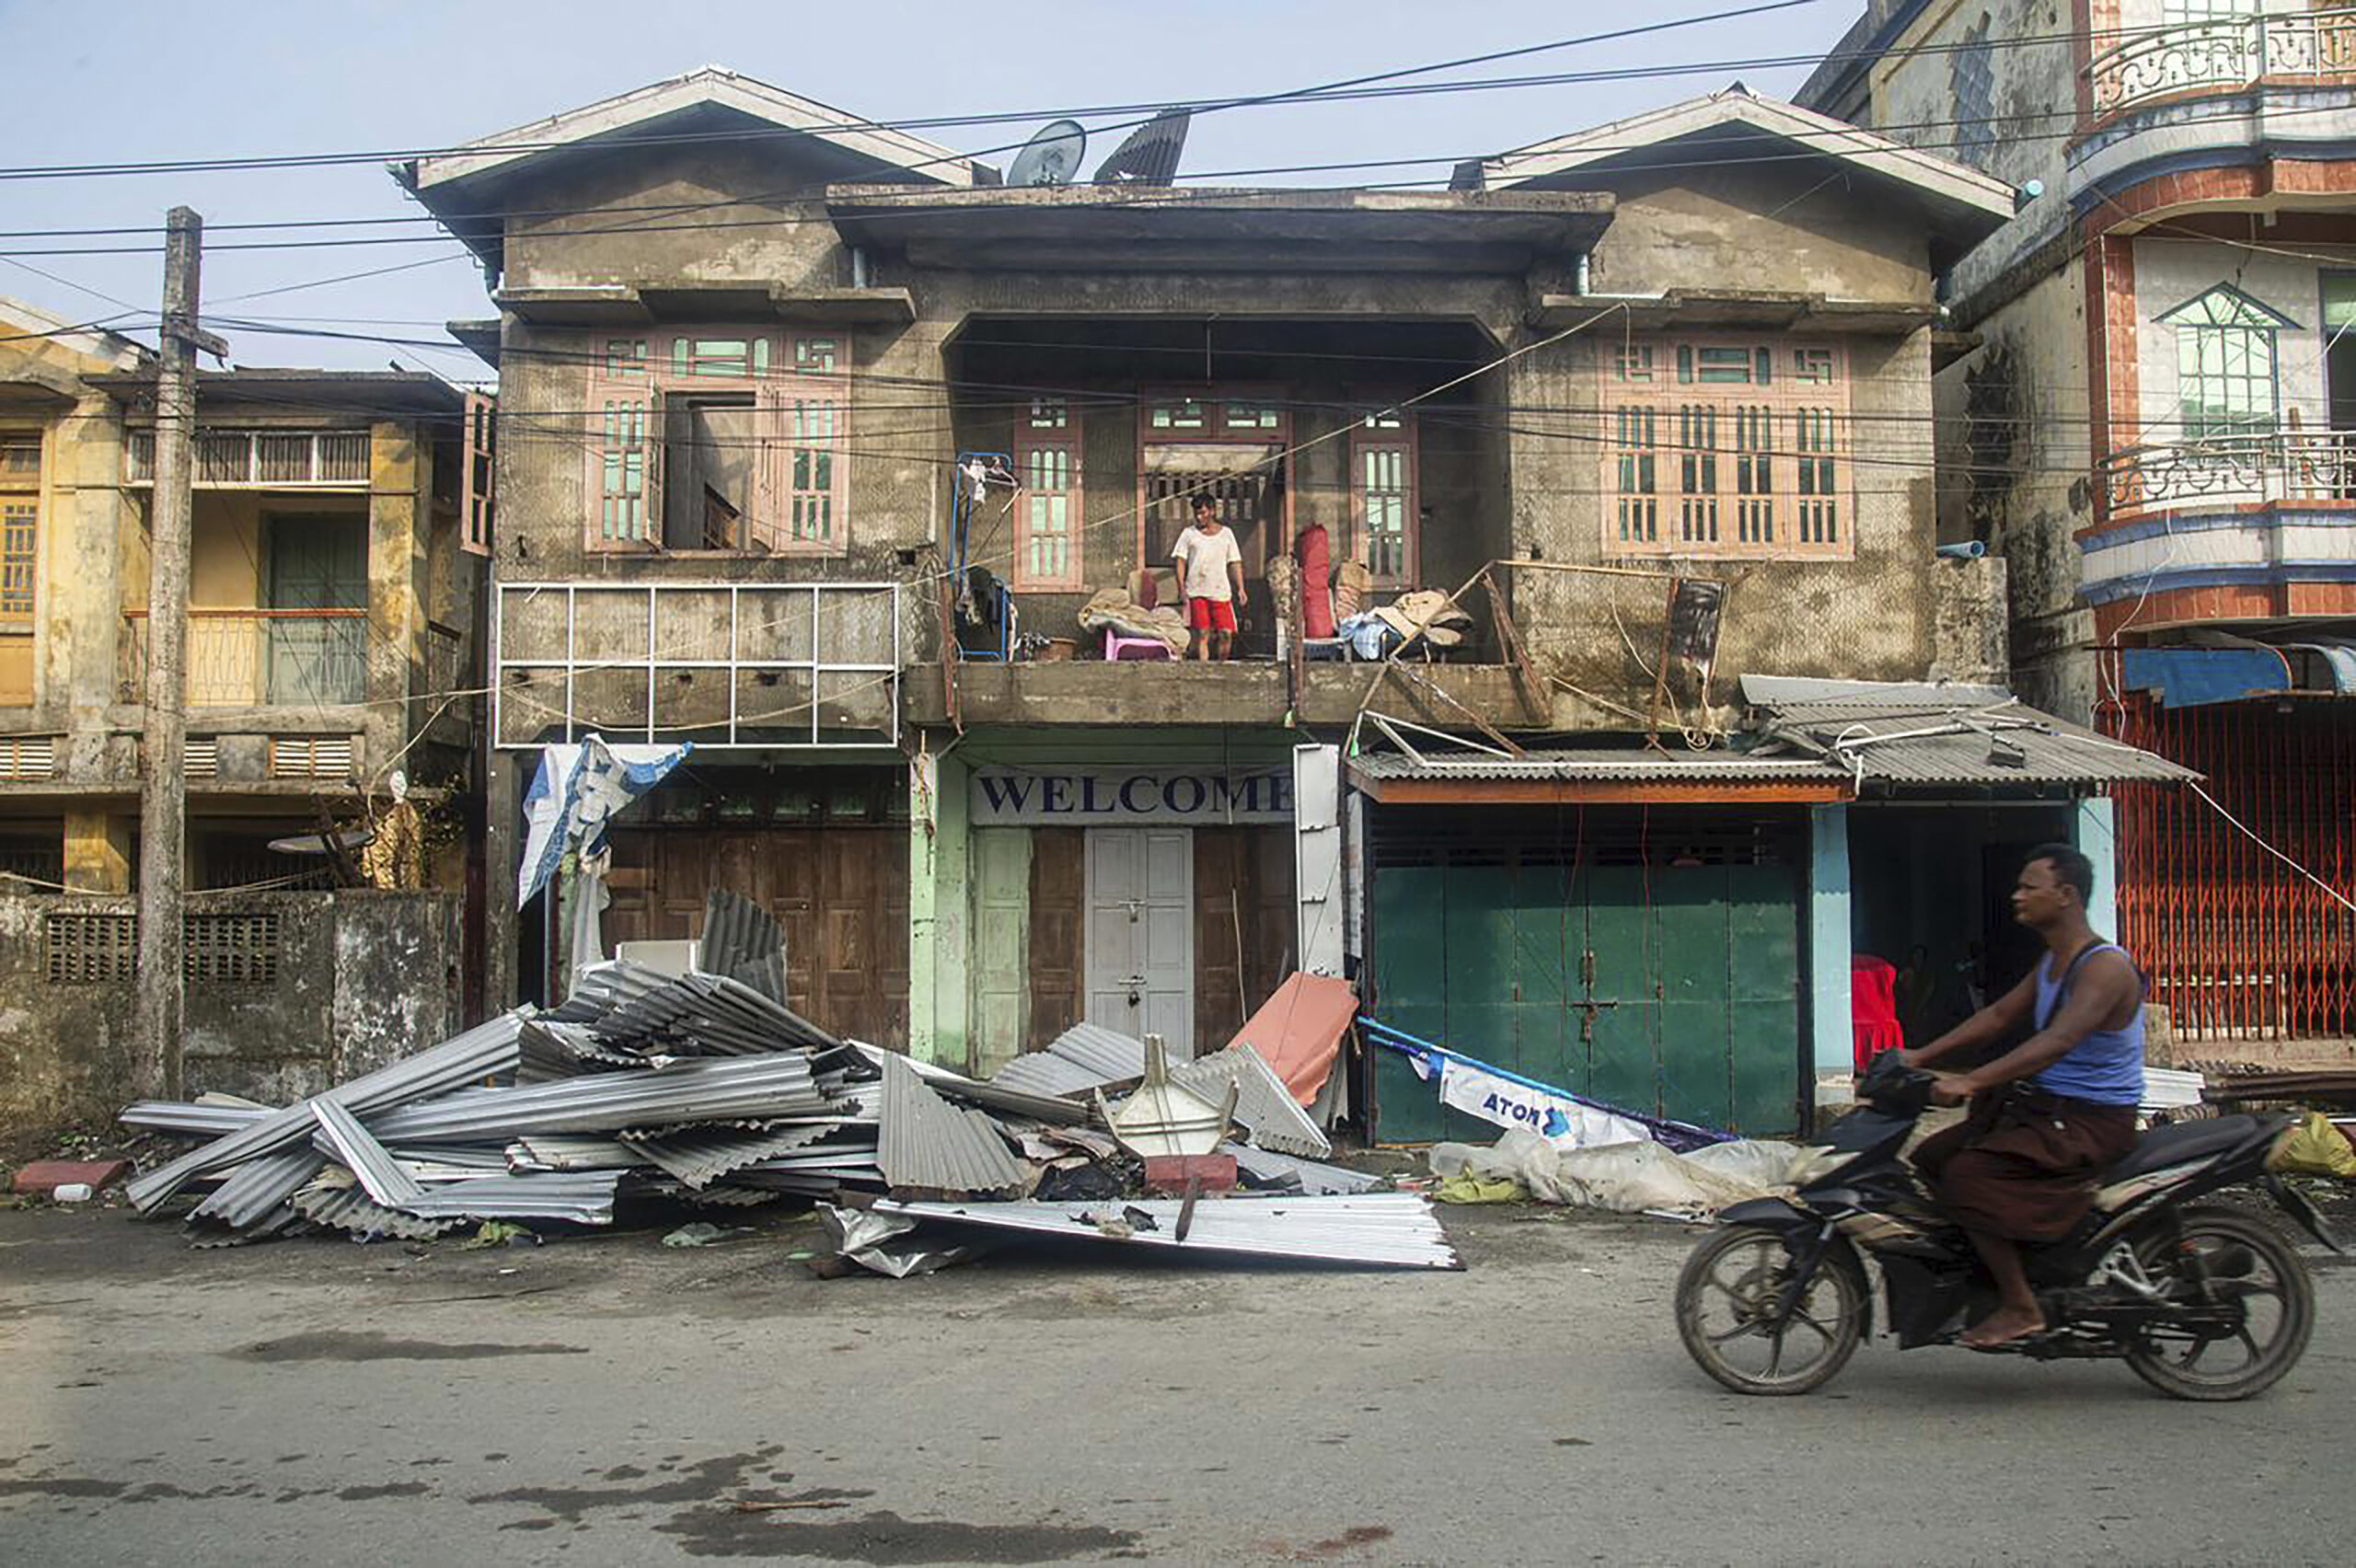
point(390, 1489)
point(702, 1481)
point(342, 1346)
point(885, 1537)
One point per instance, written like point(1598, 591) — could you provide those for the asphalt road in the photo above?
point(609, 1401)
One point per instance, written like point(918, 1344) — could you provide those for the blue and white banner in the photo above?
point(1559, 1119)
point(576, 793)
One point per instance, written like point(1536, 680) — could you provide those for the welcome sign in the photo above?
point(1123, 796)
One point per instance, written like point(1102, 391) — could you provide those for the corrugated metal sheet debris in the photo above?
point(481, 1053)
point(775, 1084)
point(189, 1119)
point(994, 1095)
point(1267, 1166)
point(261, 1185)
point(741, 941)
point(701, 1158)
point(1262, 1101)
point(581, 1197)
point(335, 1200)
point(560, 1151)
point(1082, 1058)
point(1379, 1229)
point(344, 1138)
point(927, 1145)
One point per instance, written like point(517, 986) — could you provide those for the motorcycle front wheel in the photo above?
point(1726, 1302)
point(2246, 1265)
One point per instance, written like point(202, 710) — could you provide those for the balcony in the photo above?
point(243, 658)
point(2223, 54)
point(263, 459)
point(2233, 471)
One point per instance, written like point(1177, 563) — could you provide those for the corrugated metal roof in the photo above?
point(262, 1184)
point(1787, 690)
point(1607, 764)
point(925, 1143)
point(1998, 744)
point(743, 941)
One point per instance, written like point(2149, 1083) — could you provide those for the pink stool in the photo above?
point(1136, 649)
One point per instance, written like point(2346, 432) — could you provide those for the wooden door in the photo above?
point(1140, 932)
point(840, 893)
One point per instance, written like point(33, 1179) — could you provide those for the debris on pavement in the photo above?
point(1624, 1178)
point(703, 1089)
point(52, 1178)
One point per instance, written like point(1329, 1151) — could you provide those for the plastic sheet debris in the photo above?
point(885, 1244)
point(1626, 1178)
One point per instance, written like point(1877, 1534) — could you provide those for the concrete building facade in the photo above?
point(2147, 411)
point(828, 467)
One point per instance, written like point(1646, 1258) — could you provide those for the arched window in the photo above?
point(2227, 381)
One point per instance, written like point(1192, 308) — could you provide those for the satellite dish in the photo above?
point(1051, 157)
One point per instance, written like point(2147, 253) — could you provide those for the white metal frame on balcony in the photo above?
point(742, 598)
point(2224, 53)
point(2286, 465)
point(262, 459)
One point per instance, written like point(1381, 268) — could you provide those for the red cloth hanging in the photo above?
point(1872, 1008)
point(1315, 554)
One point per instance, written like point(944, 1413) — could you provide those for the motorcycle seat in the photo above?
point(2181, 1143)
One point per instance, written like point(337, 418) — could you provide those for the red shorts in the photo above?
point(1210, 615)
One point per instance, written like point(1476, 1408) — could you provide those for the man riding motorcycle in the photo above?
point(2052, 1113)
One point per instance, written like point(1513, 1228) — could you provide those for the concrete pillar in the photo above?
point(97, 852)
point(2094, 832)
point(399, 499)
point(940, 898)
point(503, 845)
point(1832, 1047)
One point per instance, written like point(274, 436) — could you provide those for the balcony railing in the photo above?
point(2224, 53)
point(2308, 466)
point(259, 658)
point(254, 458)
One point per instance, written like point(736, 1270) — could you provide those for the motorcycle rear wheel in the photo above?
point(2278, 1297)
point(1725, 1296)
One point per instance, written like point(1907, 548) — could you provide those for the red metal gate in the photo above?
point(2240, 945)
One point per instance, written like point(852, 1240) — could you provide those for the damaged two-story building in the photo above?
point(338, 537)
point(826, 449)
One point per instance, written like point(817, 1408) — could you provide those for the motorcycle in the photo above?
point(2202, 1301)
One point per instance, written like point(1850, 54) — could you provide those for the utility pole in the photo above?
point(163, 803)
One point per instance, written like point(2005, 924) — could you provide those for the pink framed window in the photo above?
point(1047, 519)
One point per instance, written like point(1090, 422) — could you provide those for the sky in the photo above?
point(130, 82)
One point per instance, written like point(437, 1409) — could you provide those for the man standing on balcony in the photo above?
point(1210, 573)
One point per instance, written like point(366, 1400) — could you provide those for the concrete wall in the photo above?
point(2015, 455)
point(1774, 227)
point(363, 978)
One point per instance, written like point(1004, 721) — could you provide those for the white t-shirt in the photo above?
point(1202, 560)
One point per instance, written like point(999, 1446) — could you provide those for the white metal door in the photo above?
point(1140, 932)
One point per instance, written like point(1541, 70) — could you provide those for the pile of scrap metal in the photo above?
point(705, 1088)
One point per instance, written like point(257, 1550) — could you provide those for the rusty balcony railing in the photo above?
point(2303, 466)
point(2223, 53)
point(259, 658)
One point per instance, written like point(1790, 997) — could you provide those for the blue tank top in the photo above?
point(2107, 1067)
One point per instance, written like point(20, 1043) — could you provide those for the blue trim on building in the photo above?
point(2208, 522)
point(2092, 195)
point(2270, 573)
